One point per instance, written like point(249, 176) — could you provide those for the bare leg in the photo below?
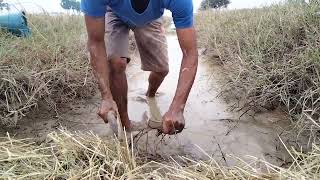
point(119, 89)
point(155, 80)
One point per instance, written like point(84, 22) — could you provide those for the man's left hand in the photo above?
point(173, 122)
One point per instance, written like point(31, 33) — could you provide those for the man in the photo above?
point(109, 60)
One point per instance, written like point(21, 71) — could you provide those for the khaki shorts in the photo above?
point(150, 39)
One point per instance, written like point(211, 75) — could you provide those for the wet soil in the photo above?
point(210, 125)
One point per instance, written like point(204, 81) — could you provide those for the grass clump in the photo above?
point(271, 56)
point(51, 66)
point(86, 156)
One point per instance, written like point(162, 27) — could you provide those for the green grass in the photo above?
point(51, 66)
point(271, 57)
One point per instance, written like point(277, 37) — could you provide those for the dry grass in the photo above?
point(86, 156)
point(271, 57)
point(277, 55)
point(51, 66)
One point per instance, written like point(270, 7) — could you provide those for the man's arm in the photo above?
point(188, 70)
point(99, 62)
point(98, 55)
point(173, 119)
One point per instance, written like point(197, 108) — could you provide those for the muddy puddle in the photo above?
point(210, 126)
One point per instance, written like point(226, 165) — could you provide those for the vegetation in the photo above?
point(3, 5)
point(271, 56)
point(70, 5)
point(215, 4)
point(51, 66)
point(86, 156)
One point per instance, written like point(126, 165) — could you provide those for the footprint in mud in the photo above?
point(142, 98)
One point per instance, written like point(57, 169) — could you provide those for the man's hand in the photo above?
point(173, 122)
point(107, 105)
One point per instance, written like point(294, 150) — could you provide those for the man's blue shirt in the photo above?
point(182, 11)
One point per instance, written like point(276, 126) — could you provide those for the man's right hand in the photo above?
point(107, 105)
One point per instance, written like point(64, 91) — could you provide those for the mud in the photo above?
point(210, 126)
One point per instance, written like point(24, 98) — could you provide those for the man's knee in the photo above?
point(118, 65)
point(162, 74)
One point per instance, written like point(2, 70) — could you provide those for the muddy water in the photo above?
point(210, 126)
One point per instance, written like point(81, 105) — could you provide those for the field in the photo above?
point(51, 67)
point(271, 59)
